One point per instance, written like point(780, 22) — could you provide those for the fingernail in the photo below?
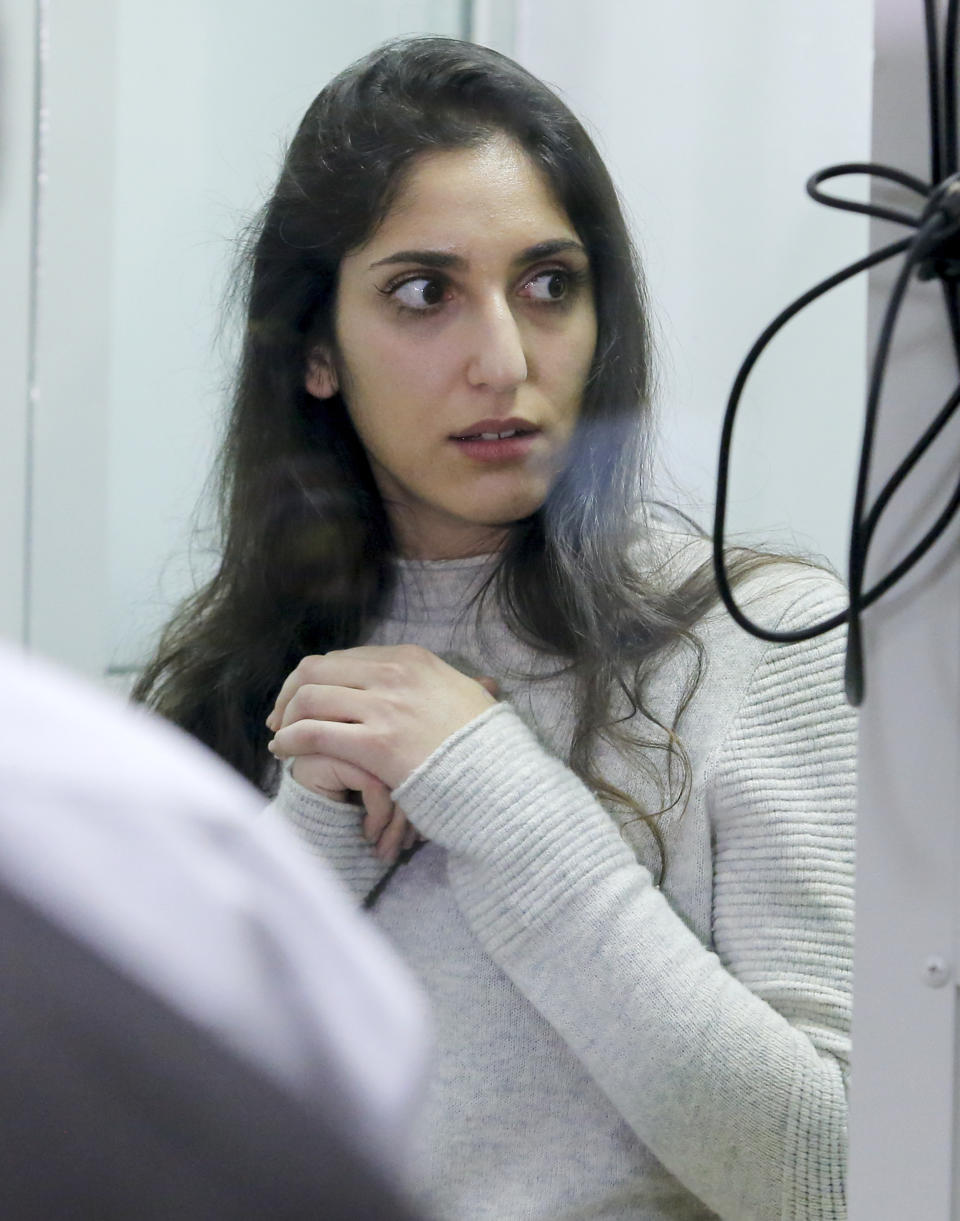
point(271, 747)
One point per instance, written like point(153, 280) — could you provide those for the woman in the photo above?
point(627, 884)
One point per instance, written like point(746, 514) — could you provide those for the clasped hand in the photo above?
point(361, 720)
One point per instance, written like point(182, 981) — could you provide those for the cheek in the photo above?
point(571, 373)
point(389, 371)
point(574, 356)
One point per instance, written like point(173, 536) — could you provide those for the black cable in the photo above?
point(934, 251)
point(859, 541)
point(933, 90)
point(950, 92)
point(918, 551)
point(950, 290)
point(726, 438)
point(933, 430)
point(404, 856)
point(877, 171)
point(943, 138)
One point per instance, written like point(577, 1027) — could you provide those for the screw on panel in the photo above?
point(936, 971)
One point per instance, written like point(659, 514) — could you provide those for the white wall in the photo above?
point(712, 115)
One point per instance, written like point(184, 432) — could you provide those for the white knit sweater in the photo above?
point(606, 1048)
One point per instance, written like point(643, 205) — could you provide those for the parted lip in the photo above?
point(474, 430)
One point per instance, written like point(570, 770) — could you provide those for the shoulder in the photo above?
point(777, 591)
point(782, 699)
point(148, 848)
point(733, 668)
point(67, 738)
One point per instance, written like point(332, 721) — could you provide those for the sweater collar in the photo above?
point(437, 590)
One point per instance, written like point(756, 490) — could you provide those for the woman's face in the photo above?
point(465, 330)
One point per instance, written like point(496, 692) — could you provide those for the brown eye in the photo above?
point(420, 293)
point(548, 285)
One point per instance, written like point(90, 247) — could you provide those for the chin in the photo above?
point(508, 510)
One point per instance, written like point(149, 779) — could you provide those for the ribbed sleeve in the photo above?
point(784, 797)
point(726, 1060)
point(330, 830)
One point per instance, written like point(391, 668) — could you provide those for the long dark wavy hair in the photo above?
point(307, 550)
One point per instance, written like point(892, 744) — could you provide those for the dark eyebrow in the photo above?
point(441, 259)
point(544, 250)
point(426, 258)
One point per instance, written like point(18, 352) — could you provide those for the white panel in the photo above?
point(904, 1059)
point(17, 174)
point(69, 457)
point(712, 116)
point(193, 164)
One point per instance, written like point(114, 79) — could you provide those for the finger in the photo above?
point(341, 668)
point(367, 666)
point(388, 845)
point(356, 668)
point(294, 680)
point(410, 838)
point(330, 777)
point(379, 809)
point(335, 739)
point(320, 702)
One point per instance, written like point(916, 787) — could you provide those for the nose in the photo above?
point(497, 359)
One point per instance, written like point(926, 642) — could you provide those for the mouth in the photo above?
point(495, 436)
point(497, 430)
point(501, 445)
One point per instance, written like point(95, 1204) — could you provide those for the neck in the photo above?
point(449, 544)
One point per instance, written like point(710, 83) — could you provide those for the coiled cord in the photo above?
point(932, 252)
